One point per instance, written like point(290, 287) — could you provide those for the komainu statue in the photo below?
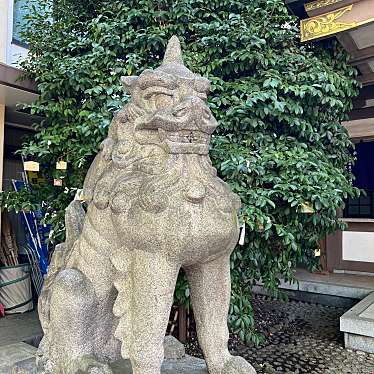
point(154, 205)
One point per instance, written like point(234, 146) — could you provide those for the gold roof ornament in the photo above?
point(325, 24)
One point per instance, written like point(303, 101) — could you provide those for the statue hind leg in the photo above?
point(80, 314)
point(73, 304)
point(210, 286)
point(144, 301)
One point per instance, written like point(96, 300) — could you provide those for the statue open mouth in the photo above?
point(186, 141)
point(188, 136)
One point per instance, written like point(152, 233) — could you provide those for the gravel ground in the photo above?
point(300, 338)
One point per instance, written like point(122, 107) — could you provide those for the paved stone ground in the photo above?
point(19, 327)
point(300, 338)
point(13, 353)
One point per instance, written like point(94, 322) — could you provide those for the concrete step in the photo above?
point(341, 290)
point(342, 285)
point(13, 353)
point(358, 325)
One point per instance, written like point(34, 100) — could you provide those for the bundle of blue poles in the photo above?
point(36, 247)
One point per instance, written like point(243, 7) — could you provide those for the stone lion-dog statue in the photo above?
point(154, 205)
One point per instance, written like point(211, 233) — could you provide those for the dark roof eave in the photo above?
point(297, 7)
point(13, 77)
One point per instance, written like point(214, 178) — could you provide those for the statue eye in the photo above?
point(162, 100)
point(202, 96)
point(202, 85)
point(159, 98)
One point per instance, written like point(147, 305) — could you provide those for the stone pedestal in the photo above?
point(358, 326)
point(185, 365)
point(176, 361)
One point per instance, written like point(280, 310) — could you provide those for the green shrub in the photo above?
point(280, 104)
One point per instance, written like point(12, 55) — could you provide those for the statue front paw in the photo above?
point(89, 365)
point(102, 369)
point(238, 365)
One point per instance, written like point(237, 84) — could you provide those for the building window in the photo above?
point(21, 9)
point(363, 170)
point(363, 207)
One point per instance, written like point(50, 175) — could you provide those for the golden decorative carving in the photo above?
point(320, 4)
point(325, 24)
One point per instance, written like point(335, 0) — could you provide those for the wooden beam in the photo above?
point(182, 324)
point(366, 93)
point(362, 113)
point(360, 129)
point(12, 77)
point(319, 7)
point(361, 56)
point(357, 103)
point(347, 42)
point(366, 79)
point(343, 16)
point(364, 68)
point(17, 118)
point(2, 127)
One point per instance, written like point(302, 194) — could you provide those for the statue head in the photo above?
point(172, 100)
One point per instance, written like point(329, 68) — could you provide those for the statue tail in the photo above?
point(74, 219)
point(122, 306)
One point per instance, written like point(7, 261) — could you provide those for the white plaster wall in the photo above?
point(10, 53)
point(4, 30)
point(358, 246)
point(16, 54)
point(10, 29)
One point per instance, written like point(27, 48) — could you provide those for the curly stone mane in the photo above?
point(152, 140)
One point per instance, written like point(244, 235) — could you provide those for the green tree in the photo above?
point(280, 143)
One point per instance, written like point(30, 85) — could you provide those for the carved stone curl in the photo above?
point(155, 205)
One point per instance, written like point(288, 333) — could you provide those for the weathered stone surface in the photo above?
point(187, 365)
point(359, 342)
point(154, 205)
point(24, 367)
point(12, 353)
point(173, 348)
point(358, 325)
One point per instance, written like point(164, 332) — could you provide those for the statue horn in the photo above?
point(173, 53)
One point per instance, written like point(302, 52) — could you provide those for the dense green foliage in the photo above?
point(280, 143)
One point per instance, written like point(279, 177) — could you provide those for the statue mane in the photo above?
point(164, 129)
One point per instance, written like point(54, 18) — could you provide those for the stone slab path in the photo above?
point(13, 353)
point(19, 327)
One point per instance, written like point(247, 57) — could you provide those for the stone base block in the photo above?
point(185, 365)
point(359, 342)
point(358, 326)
